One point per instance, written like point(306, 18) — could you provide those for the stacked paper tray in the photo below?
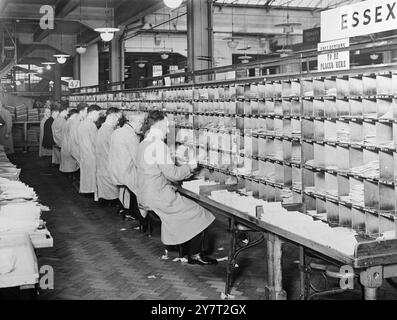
point(24, 269)
point(33, 114)
point(21, 113)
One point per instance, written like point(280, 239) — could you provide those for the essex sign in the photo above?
point(358, 19)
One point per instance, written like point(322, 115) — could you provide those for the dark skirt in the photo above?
point(48, 139)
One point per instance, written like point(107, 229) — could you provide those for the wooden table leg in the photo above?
point(274, 286)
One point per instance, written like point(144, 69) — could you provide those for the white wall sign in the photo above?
point(74, 84)
point(358, 19)
point(333, 61)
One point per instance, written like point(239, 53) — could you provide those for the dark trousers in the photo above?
point(194, 245)
point(134, 208)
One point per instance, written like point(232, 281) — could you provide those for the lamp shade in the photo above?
point(173, 3)
point(232, 42)
point(61, 58)
point(107, 34)
point(141, 63)
point(164, 56)
point(80, 49)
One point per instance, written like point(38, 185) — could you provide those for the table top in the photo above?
point(368, 252)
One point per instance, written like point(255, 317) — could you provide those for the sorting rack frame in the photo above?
point(282, 133)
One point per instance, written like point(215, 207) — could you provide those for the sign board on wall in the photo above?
point(358, 19)
point(334, 61)
point(311, 36)
point(73, 84)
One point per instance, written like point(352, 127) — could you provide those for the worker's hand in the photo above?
point(193, 165)
point(7, 136)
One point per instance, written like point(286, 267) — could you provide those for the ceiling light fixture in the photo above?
point(81, 48)
point(61, 58)
point(48, 65)
point(232, 42)
point(107, 33)
point(244, 58)
point(374, 56)
point(141, 63)
point(164, 56)
point(173, 4)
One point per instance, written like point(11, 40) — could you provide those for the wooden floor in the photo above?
point(96, 255)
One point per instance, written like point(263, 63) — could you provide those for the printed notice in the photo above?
point(337, 60)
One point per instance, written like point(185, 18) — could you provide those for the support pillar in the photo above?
point(200, 35)
point(57, 82)
point(116, 61)
point(89, 67)
point(76, 67)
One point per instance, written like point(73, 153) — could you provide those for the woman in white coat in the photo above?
point(6, 139)
point(182, 220)
point(68, 163)
point(74, 131)
point(107, 190)
point(122, 163)
point(87, 133)
point(43, 152)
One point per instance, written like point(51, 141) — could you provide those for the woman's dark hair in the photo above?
point(71, 112)
point(92, 108)
point(153, 117)
point(81, 106)
point(112, 110)
point(54, 107)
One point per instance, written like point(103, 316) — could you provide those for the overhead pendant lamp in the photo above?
point(81, 48)
point(61, 58)
point(173, 4)
point(245, 58)
point(107, 33)
point(48, 65)
point(141, 63)
point(232, 42)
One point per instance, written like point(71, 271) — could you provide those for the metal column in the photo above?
point(200, 35)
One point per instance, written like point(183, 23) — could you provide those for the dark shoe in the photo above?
point(201, 260)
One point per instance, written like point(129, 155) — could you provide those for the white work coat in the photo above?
point(43, 152)
point(106, 188)
point(87, 133)
point(68, 163)
point(57, 128)
point(75, 138)
point(181, 218)
point(6, 129)
point(122, 164)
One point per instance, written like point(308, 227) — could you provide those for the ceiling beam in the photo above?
point(134, 10)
